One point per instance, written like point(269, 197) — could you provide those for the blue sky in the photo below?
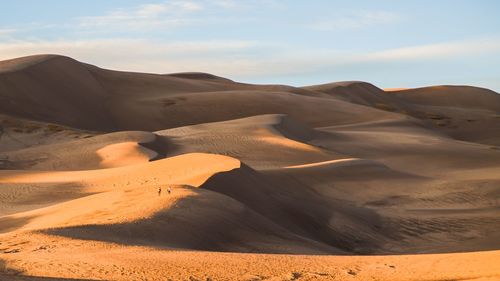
point(389, 43)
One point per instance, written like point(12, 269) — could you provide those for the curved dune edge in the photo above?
point(395, 89)
point(177, 168)
point(281, 130)
point(106, 191)
point(336, 162)
point(253, 140)
point(94, 152)
point(288, 143)
point(124, 154)
point(129, 210)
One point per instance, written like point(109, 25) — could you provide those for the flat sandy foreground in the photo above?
point(66, 259)
point(108, 175)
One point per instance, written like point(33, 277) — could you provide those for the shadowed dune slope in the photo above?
point(199, 76)
point(353, 91)
point(18, 133)
point(452, 96)
point(299, 209)
point(54, 89)
point(416, 214)
point(61, 90)
point(463, 112)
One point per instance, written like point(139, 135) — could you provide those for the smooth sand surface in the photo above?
point(109, 175)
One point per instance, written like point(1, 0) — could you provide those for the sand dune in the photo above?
point(18, 133)
point(103, 151)
point(123, 205)
point(452, 96)
point(394, 89)
point(267, 182)
point(354, 92)
point(254, 140)
point(137, 101)
point(463, 112)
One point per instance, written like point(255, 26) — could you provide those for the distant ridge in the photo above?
point(61, 90)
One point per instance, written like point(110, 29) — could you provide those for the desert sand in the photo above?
point(109, 175)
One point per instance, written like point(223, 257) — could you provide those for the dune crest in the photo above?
point(124, 154)
point(345, 161)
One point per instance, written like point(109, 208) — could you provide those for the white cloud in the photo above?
point(356, 20)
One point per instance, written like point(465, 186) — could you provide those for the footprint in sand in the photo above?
point(251, 277)
point(317, 274)
point(11, 251)
point(40, 248)
point(352, 272)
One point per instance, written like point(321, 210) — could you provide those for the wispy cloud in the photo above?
point(436, 51)
point(241, 59)
point(142, 55)
point(172, 14)
point(245, 5)
point(227, 4)
point(7, 31)
point(171, 35)
point(164, 15)
point(356, 20)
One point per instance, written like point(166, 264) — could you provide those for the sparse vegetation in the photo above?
point(442, 123)
point(167, 102)
point(384, 106)
point(54, 128)
point(434, 116)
